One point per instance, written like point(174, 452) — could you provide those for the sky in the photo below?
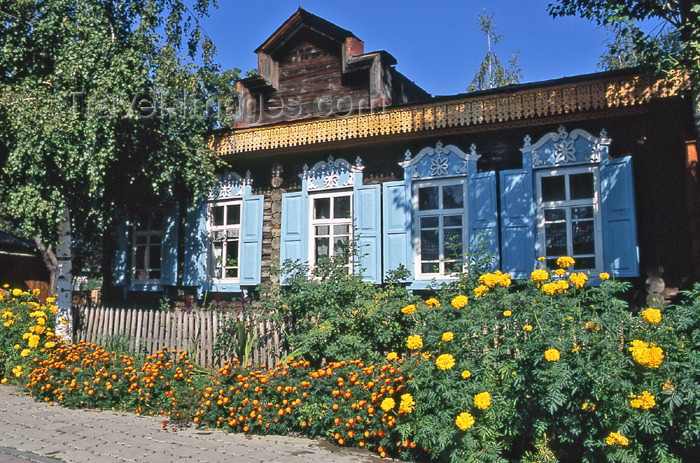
point(437, 43)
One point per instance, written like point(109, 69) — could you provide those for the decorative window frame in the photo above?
point(154, 237)
point(330, 222)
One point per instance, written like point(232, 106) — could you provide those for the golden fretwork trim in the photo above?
point(557, 100)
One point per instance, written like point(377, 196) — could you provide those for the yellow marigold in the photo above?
point(26, 335)
point(565, 262)
point(466, 374)
point(16, 292)
point(407, 404)
point(645, 401)
point(480, 291)
point(53, 309)
point(464, 421)
point(33, 341)
point(542, 258)
point(426, 355)
point(578, 279)
point(615, 438)
point(646, 354)
point(604, 276)
point(575, 349)
point(482, 400)
point(50, 344)
point(36, 292)
point(652, 316)
point(414, 342)
point(448, 336)
point(432, 302)
point(527, 327)
point(539, 276)
point(495, 278)
point(592, 326)
point(507, 313)
point(560, 271)
point(562, 286)
point(17, 370)
point(668, 386)
point(25, 352)
point(409, 309)
point(459, 301)
point(445, 362)
point(50, 300)
point(588, 407)
point(550, 288)
point(551, 355)
point(392, 356)
point(9, 323)
point(388, 404)
point(39, 329)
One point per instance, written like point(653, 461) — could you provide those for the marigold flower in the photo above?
point(560, 271)
point(646, 354)
point(392, 356)
point(644, 401)
point(33, 341)
point(527, 327)
point(414, 341)
point(445, 362)
point(466, 374)
point(565, 262)
point(651, 316)
point(550, 288)
point(432, 302)
point(578, 279)
point(459, 301)
point(668, 386)
point(388, 404)
point(407, 403)
point(542, 258)
point(50, 344)
point(448, 336)
point(588, 407)
point(480, 291)
point(25, 352)
point(615, 438)
point(464, 421)
point(16, 292)
point(507, 313)
point(604, 276)
point(562, 286)
point(482, 400)
point(409, 309)
point(17, 370)
point(50, 300)
point(36, 292)
point(551, 355)
point(539, 276)
point(495, 278)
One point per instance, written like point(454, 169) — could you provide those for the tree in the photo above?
point(102, 107)
point(672, 46)
point(492, 73)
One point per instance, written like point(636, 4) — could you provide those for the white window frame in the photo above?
point(153, 236)
point(568, 204)
point(418, 214)
point(330, 222)
point(213, 264)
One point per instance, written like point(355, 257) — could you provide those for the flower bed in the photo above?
point(488, 369)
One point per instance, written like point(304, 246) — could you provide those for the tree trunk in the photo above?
point(49, 258)
point(64, 280)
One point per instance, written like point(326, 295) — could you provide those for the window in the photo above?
point(146, 251)
point(569, 216)
point(440, 225)
point(225, 234)
point(331, 226)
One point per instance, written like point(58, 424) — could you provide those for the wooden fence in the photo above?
point(195, 332)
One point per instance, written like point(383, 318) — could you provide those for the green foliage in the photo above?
point(235, 341)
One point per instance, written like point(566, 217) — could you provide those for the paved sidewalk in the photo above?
point(37, 432)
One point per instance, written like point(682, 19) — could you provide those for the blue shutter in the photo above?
point(121, 254)
point(251, 239)
point(196, 246)
point(295, 226)
point(397, 247)
point(367, 227)
point(517, 223)
point(620, 251)
point(168, 260)
point(483, 213)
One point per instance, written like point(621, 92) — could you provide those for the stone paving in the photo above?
point(37, 432)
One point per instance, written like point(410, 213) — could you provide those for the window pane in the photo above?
point(585, 263)
point(582, 212)
point(553, 215)
point(322, 230)
point(452, 221)
point(429, 222)
point(341, 229)
point(140, 257)
point(453, 267)
point(231, 234)
point(430, 268)
point(217, 216)
point(322, 248)
point(217, 259)
point(340, 247)
point(154, 256)
point(341, 207)
point(452, 197)
point(154, 275)
point(584, 237)
point(322, 208)
point(553, 188)
point(428, 198)
point(233, 214)
point(232, 253)
point(453, 243)
point(555, 239)
point(429, 245)
point(141, 239)
point(581, 185)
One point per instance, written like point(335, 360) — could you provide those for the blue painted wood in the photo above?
point(483, 213)
point(251, 239)
point(295, 228)
point(517, 222)
point(397, 237)
point(121, 255)
point(367, 223)
point(620, 249)
point(168, 259)
point(196, 245)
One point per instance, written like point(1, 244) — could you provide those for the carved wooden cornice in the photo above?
point(520, 105)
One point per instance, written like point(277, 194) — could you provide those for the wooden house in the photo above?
point(334, 146)
point(21, 266)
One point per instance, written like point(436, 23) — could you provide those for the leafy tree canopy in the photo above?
point(103, 105)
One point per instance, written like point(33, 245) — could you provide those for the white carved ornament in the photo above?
point(327, 174)
point(564, 147)
point(439, 165)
